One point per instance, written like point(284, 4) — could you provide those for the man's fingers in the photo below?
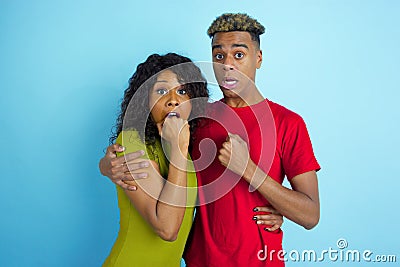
point(126, 173)
point(136, 176)
point(133, 155)
point(121, 184)
point(128, 176)
point(112, 149)
point(120, 176)
point(126, 158)
point(134, 166)
point(130, 167)
point(126, 186)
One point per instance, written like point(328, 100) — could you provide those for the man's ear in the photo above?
point(259, 58)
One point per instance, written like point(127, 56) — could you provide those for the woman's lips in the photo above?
point(173, 114)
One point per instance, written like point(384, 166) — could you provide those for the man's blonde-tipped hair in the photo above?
point(229, 22)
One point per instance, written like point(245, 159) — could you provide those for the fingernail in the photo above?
point(266, 229)
point(143, 175)
point(133, 188)
point(255, 209)
point(122, 148)
point(145, 164)
point(259, 222)
point(142, 152)
point(255, 218)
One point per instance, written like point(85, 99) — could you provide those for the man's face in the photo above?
point(240, 57)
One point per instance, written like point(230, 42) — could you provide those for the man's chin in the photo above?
point(228, 92)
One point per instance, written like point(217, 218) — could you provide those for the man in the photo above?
point(222, 234)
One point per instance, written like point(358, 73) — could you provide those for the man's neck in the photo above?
point(243, 101)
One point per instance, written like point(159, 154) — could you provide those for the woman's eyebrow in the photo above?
point(161, 81)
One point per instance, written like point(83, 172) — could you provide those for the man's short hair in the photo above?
point(230, 22)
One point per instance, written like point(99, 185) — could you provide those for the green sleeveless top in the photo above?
point(137, 244)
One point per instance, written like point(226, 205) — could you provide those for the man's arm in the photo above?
point(299, 204)
point(120, 169)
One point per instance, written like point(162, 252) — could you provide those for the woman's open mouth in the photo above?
point(173, 114)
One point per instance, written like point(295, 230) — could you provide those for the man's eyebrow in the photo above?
point(161, 81)
point(240, 45)
point(233, 46)
point(216, 46)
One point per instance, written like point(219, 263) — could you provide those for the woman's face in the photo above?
point(168, 95)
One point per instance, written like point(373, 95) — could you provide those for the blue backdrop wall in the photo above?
point(64, 66)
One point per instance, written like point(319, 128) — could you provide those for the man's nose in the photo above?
point(228, 64)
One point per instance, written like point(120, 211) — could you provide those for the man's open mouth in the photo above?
point(229, 82)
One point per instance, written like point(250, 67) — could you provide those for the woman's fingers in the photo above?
point(272, 221)
point(273, 228)
point(266, 209)
point(159, 127)
point(268, 219)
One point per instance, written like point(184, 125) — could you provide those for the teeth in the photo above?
point(230, 82)
point(173, 113)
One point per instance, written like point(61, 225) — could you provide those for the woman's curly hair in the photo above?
point(135, 112)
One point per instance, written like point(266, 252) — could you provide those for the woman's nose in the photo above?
point(173, 100)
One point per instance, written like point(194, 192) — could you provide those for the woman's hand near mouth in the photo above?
point(175, 130)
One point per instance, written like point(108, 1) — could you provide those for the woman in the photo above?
point(156, 104)
point(155, 220)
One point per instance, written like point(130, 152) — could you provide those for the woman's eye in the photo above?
point(219, 56)
point(239, 55)
point(181, 91)
point(161, 91)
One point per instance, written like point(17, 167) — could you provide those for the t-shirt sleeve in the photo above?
point(298, 155)
point(130, 139)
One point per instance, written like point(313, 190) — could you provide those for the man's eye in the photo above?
point(219, 56)
point(239, 55)
point(161, 91)
point(181, 91)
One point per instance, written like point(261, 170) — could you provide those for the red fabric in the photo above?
point(224, 233)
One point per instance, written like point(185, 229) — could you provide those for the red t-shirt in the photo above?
point(223, 233)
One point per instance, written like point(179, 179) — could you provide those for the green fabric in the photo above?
point(137, 244)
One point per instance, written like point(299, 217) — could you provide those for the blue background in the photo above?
point(64, 66)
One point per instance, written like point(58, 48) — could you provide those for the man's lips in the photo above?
point(229, 82)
